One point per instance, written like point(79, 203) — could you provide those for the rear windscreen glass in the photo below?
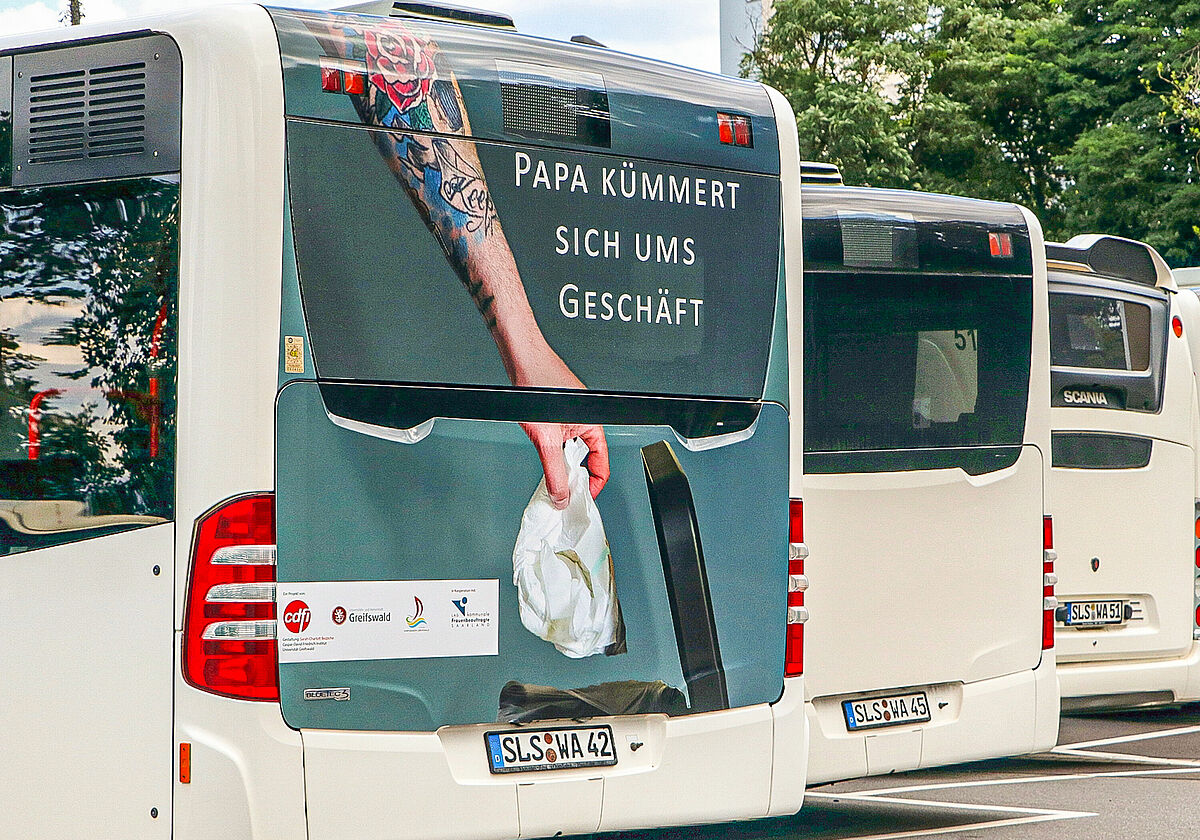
point(1099, 332)
point(914, 362)
point(640, 277)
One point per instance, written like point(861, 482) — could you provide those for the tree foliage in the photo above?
point(1087, 111)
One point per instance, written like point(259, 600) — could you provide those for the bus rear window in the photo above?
point(914, 362)
point(667, 291)
point(1099, 332)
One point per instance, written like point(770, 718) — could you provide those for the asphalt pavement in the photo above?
point(1114, 776)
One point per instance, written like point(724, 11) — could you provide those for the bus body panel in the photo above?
point(67, 724)
point(694, 753)
point(247, 768)
point(1014, 714)
point(977, 634)
point(1128, 534)
point(230, 264)
point(1130, 521)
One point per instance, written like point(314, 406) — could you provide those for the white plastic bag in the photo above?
point(563, 570)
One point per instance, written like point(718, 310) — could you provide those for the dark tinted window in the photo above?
point(912, 362)
point(1099, 332)
point(1089, 451)
point(635, 295)
point(88, 313)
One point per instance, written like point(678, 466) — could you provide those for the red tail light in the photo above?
point(1049, 579)
point(1196, 602)
point(797, 614)
point(229, 629)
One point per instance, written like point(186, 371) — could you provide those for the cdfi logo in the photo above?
point(417, 618)
point(297, 616)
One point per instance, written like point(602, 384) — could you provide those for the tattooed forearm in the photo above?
point(484, 301)
point(463, 187)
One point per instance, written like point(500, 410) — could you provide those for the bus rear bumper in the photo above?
point(1127, 683)
point(1010, 715)
point(736, 764)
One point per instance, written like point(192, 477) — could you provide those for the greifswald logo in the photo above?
point(296, 617)
point(417, 618)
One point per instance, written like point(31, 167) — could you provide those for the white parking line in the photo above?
point(1126, 757)
point(1028, 815)
point(1128, 739)
point(1022, 780)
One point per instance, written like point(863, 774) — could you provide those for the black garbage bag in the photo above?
point(523, 703)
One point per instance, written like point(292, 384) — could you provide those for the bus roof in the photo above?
point(512, 84)
point(867, 228)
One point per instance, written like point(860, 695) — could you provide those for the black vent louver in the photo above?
point(102, 110)
point(554, 104)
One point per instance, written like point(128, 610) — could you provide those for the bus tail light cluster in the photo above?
point(1196, 597)
point(343, 76)
point(797, 613)
point(1049, 579)
point(735, 130)
point(229, 630)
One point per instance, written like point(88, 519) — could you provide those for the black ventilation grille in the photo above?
point(547, 104)
point(101, 110)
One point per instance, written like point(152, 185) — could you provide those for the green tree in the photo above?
point(986, 123)
point(1086, 111)
point(1132, 167)
point(845, 66)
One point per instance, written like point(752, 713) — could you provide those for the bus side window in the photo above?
point(87, 360)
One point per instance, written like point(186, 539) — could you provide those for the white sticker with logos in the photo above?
point(402, 619)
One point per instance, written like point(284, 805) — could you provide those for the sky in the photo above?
point(680, 31)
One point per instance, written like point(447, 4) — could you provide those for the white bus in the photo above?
point(1123, 390)
point(926, 428)
point(310, 527)
point(1186, 278)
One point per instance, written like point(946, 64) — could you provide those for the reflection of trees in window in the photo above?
point(1091, 333)
point(88, 313)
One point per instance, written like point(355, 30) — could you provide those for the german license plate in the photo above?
point(522, 750)
point(893, 710)
point(1095, 613)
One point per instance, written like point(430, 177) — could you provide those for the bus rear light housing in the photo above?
point(1196, 594)
point(229, 646)
point(735, 130)
point(797, 613)
point(1049, 580)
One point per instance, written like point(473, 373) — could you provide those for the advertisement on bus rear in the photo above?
point(532, 439)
